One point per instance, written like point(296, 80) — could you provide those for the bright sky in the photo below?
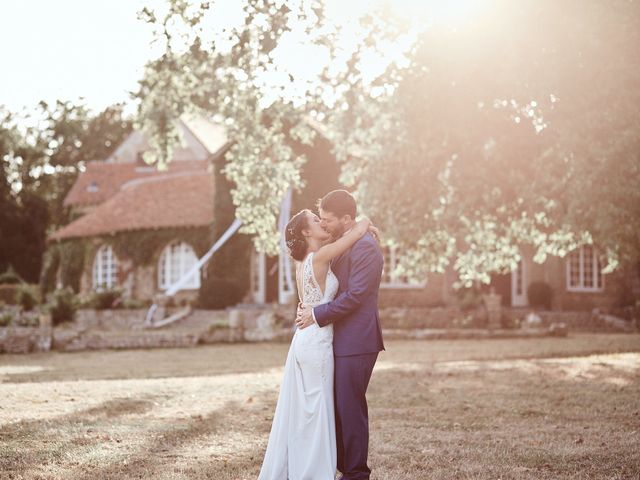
point(66, 49)
point(96, 49)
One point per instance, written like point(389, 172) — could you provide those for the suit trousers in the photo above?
point(352, 375)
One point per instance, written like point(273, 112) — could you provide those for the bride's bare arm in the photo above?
point(330, 251)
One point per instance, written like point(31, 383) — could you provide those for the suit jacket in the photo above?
point(354, 310)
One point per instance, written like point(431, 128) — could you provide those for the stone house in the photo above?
point(140, 230)
point(576, 281)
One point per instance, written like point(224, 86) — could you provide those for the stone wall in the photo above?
point(259, 323)
point(27, 339)
point(408, 318)
point(133, 319)
point(437, 292)
point(588, 321)
point(124, 329)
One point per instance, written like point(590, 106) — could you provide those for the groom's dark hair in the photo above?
point(340, 203)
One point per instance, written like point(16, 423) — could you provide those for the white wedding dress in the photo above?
point(302, 442)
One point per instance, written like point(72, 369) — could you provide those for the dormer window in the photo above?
point(93, 187)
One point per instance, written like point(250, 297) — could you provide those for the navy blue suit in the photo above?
point(357, 339)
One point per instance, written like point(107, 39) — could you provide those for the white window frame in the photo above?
point(105, 269)
point(185, 257)
point(258, 277)
point(286, 295)
point(390, 264)
point(581, 272)
point(519, 300)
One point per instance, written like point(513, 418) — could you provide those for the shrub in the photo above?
point(8, 293)
point(62, 306)
point(468, 298)
point(133, 303)
point(216, 293)
point(5, 319)
point(10, 277)
point(539, 295)
point(25, 321)
point(106, 299)
point(27, 297)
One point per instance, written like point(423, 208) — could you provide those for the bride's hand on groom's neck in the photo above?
point(375, 232)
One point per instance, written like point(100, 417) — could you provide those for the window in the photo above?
point(175, 261)
point(584, 272)
point(518, 273)
point(258, 278)
point(390, 279)
point(105, 269)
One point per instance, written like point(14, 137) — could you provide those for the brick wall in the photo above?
point(436, 292)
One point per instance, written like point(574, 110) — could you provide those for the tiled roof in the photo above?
point(178, 199)
point(102, 180)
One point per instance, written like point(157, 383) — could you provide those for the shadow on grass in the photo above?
point(154, 459)
point(56, 446)
point(517, 422)
point(19, 455)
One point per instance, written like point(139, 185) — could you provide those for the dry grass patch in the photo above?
point(514, 408)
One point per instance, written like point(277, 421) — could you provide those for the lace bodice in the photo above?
point(311, 294)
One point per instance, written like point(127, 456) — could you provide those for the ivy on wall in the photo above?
point(143, 246)
point(69, 258)
point(72, 259)
point(227, 276)
point(50, 265)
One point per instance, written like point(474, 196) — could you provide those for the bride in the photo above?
point(302, 442)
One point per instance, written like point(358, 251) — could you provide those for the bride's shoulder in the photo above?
point(305, 262)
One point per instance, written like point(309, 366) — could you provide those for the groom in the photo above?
point(357, 335)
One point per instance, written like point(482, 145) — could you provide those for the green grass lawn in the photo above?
point(547, 408)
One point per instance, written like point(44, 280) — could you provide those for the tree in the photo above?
point(68, 137)
point(40, 162)
point(495, 136)
point(230, 78)
point(507, 130)
point(9, 208)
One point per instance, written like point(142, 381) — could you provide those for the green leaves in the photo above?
point(496, 137)
point(231, 85)
point(515, 129)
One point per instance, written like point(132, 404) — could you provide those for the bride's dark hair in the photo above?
point(296, 242)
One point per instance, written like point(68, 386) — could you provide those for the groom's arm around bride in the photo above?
point(355, 309)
